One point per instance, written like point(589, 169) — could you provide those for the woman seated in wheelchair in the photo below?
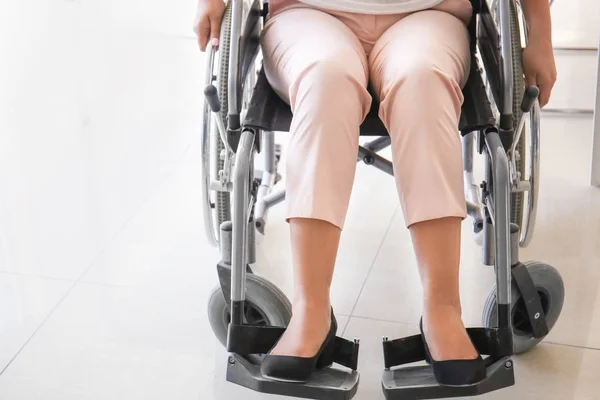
point(320, 56)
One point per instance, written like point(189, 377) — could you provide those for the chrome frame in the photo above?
point(241, 209)
point(269, 176)
point(472, 190)
point(498, 208)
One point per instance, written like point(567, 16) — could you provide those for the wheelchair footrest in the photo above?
point(415, 383)
point(327, 384)
point(249, 339)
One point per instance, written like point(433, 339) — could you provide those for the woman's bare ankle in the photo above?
point(307, 330)
point(311, 304)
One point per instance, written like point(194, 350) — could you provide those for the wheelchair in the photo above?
point(248, 313)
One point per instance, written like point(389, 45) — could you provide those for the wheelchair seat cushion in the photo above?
point(267, 111)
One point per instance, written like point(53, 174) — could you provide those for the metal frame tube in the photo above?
point(378, 144)
point(251, 243)
point(471, 188)
point(275, 197)
point(514, 244)
point(225, 242)
point(218, 119)
point(371, 158)
point(241, 191)
point(269, 175)
point(488, 248)
point(501, 200)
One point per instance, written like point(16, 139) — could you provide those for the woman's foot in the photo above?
point(306, 331)
point(305, 346)
point(446, 334)
point(450, 351)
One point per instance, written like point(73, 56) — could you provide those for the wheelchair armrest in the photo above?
point(267, 111)
point(476, 110)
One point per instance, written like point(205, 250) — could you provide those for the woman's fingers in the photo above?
point(215, 30)
point(202, 30)
point(545, 84)
point(545, 91)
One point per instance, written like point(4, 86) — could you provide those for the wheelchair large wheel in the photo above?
point(217, 203)
point(265, 305)
point(223, 205)
point(217, 206)
point(551, 290)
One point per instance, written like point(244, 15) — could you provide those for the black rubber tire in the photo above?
point(266, 305)
point(552, 291)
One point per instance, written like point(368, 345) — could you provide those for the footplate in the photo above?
point(247, 345)
point(415, 383)
point(328, 384)
point(418, 382)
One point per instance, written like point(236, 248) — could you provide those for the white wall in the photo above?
point(99, 100)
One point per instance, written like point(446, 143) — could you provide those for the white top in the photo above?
point(374, 6)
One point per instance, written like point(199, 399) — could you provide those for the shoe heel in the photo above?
point(326, 358)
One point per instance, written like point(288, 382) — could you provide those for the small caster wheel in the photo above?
point(551, 290)
point(265, 305)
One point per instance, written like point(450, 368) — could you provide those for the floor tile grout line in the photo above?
point(573, 346)
point(362, 288)
point(383, 320)
point(38, 328)
point(100, 253)
point(135, 213)
point(29, 275)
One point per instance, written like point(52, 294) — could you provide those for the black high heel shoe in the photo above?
point(455, 372)
point(299, 369)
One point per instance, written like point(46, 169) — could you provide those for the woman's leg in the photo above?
point(417, 68)
point(315, 62)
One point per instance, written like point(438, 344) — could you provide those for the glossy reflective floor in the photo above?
point(104, 268)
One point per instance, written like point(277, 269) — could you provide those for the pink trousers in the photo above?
point(321, 62)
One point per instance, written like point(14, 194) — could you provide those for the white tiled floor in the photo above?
point(104, 269)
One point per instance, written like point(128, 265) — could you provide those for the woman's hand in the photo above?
point(538, 57)
point(207, 24)
point(539, 67)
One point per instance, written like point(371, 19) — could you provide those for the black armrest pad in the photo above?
point(476, 109)
point(267, 111)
